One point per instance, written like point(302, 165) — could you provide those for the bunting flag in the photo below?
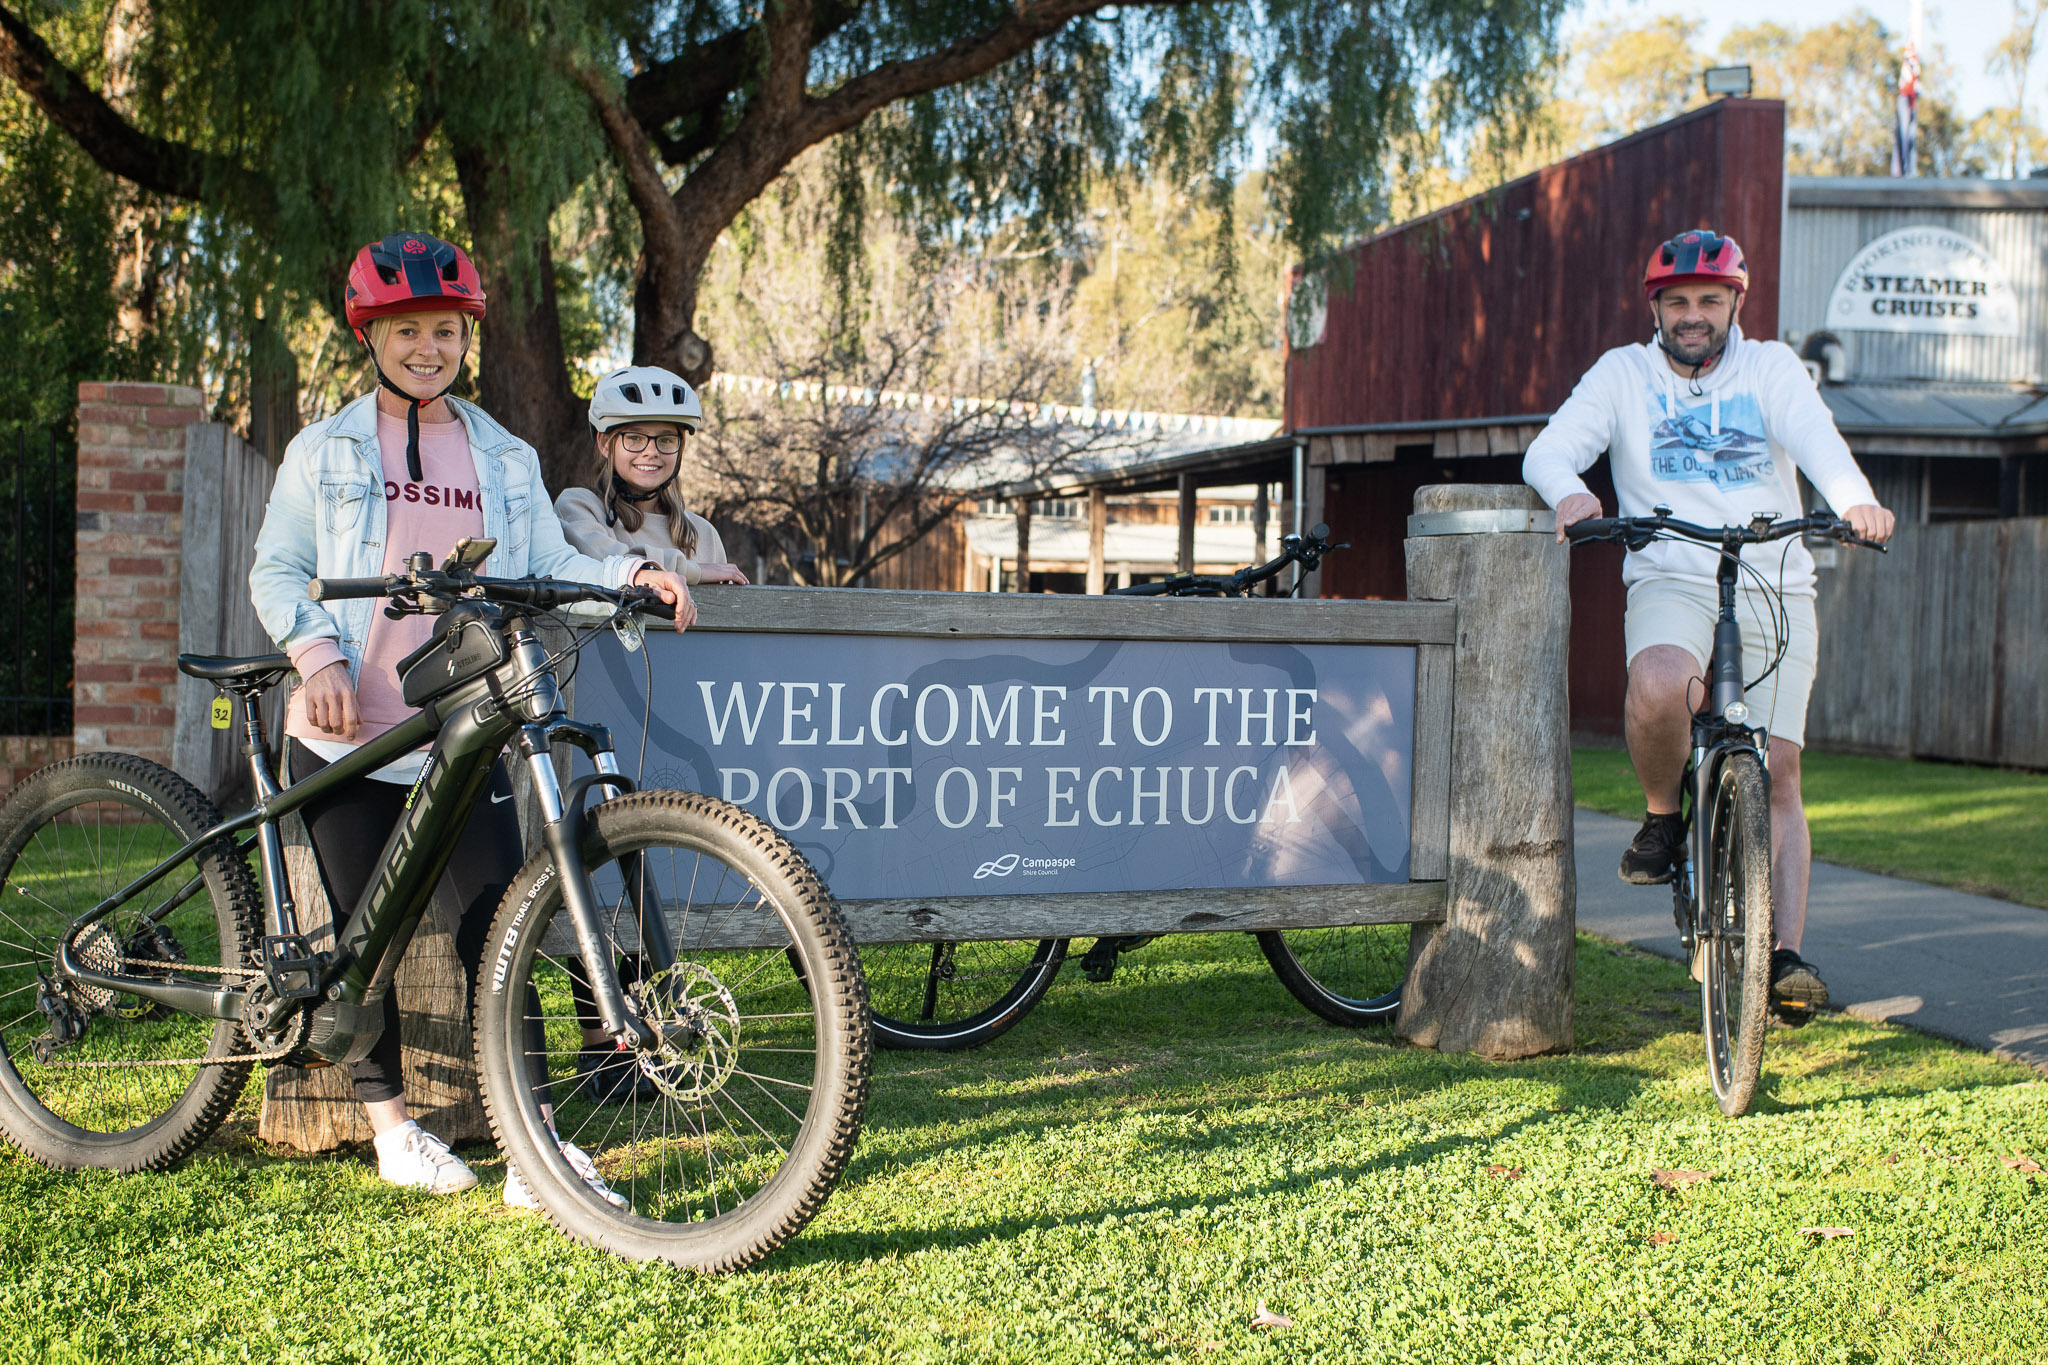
point(1906, 125)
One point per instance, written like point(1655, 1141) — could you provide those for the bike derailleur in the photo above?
point(67, 1019)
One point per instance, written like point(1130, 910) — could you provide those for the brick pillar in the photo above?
point(131, 509)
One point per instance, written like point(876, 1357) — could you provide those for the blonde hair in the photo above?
point(632, 515)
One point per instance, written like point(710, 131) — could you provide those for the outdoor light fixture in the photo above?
point(1726, 80)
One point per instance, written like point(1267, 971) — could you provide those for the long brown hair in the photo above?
point(631, 515)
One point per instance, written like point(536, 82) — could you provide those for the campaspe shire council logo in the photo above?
point(1029, 867)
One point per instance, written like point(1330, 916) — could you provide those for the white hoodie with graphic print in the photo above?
point(1716, 458)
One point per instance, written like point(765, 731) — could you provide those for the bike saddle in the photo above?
point(258, 670)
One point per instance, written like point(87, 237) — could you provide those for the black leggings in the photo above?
point(349, 827)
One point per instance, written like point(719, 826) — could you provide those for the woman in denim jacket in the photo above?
point(402, 469)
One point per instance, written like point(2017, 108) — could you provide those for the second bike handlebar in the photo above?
point(1307, 551)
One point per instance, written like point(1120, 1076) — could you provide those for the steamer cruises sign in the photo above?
point(1925, 279)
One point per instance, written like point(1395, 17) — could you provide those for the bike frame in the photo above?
point(470, 726)
point(1714, 739)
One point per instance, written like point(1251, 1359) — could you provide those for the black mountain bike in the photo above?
point(1721, 896)
point(952, 996)
point(148, 961)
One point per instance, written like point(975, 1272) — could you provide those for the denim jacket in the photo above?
point(327, 518)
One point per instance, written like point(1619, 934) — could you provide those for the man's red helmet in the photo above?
point(1701, 256)
point(410, 272)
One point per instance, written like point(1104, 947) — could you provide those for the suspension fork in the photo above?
point(562, 831)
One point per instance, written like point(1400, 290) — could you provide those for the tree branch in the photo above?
point(958, 61)
point(700, 81)
point(150, 162)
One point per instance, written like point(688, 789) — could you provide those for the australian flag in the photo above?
point(1906, 123)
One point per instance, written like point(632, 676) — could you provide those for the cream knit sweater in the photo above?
point(582, 515)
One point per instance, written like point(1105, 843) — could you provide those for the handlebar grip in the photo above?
point(1591, 527)
point(335, 589)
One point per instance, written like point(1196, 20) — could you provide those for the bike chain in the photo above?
point(245, 973)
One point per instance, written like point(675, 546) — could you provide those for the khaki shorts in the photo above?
point(1665, 611)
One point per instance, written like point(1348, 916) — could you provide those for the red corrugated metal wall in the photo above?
point(1495, 306)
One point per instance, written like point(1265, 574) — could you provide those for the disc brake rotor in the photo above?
point(698, 1024)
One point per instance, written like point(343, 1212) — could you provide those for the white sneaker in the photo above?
point(414, 1158)
point(519, 1196)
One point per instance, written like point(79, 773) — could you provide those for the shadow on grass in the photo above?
point(1611, 1088)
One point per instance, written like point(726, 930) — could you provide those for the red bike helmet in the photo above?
point(410, 272)
point(1701, 256)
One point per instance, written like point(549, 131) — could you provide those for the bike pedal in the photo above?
point(292, 966)
point(1099, 963)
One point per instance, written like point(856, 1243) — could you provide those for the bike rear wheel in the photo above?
point(726, 1138)
point(91, 1077)
point(947, 997)
point(1348, 976)
point(1736, 928)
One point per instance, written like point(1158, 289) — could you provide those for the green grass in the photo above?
point(1978, 829)
point(1130, 1172)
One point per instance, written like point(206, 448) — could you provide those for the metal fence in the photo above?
point(38, 551)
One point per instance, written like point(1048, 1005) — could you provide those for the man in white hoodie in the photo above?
point(1712, 425)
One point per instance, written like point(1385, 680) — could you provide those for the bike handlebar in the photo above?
point(544, 593)
point(1307, 551)
point(1636, 532)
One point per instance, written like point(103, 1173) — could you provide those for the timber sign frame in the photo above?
point(1490, 881)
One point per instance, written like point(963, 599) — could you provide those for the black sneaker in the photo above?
point(1797, 992)
point(606, 1075)
point(1652, 859)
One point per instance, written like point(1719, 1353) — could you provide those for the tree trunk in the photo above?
point(523, 380)
point(1495, 977)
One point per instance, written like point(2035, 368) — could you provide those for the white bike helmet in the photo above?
point(644, 393)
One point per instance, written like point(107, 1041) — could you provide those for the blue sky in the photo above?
point(1967, 29)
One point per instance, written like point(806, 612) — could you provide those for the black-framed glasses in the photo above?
point(636, 441)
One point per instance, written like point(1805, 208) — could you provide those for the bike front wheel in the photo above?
point(947, 997)
point(723, 1139)
point(1736, 928)
point(1349, 976)
point(91, 1076)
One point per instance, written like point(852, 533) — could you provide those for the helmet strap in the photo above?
point(622, 489)
point(1699, 367)
point(412, 412)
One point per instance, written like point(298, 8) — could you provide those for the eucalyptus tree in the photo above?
point(312, 126)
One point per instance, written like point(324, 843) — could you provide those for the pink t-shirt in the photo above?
point(430, 515)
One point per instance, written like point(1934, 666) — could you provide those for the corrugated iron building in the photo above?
point(1446, 343)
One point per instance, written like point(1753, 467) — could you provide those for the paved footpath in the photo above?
point(1964, 967)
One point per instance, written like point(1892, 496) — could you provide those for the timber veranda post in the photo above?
point(1495, 977)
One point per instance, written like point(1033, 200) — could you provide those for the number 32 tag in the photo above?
point(223, 713)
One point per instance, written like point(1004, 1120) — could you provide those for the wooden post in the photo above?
point(1186, 559)
point(316, 1110)
point(1262, 511)
point(1495, 977)
point(1098, 527)
point(1024, 544)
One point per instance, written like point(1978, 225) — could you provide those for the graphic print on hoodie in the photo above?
point(1717, 442)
